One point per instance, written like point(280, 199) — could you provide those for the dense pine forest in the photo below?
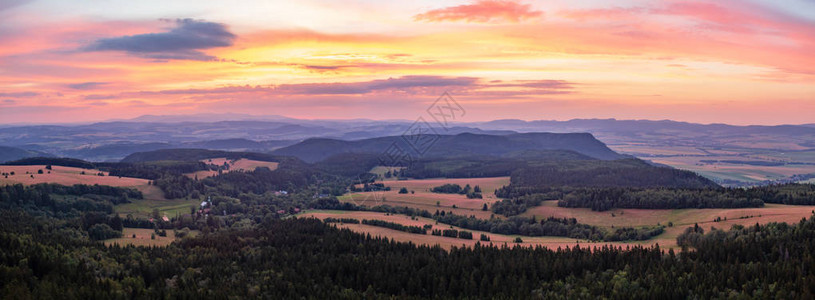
point(45, 258)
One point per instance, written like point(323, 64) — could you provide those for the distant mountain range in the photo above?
point(638, 126)
point(113, 140)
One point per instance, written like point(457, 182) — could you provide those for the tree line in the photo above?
point(549, 227)
point(606, 198)
point(395, 226)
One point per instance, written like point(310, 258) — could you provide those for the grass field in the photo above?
point(153, 196)
point(234, 165)
point(428, 239)
point(687, 150)
point(143, 238)
point(64, 175)
point(144, 208)
point(682, 219)
point(679, 217)
point(739, 172)
point(422, 198)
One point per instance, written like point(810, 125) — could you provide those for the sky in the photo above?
point(725, 61)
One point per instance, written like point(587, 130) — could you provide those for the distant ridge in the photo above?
point(614, 125)
point(206, 117)
point(313, 150)
point(12, 154)
point(194, 155)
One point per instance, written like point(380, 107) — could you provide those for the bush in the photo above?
point(450, 233)
point(103, 231)
point(403, 191)
point(447, 189)
point(182, 233)
point(341, 220)
point(396, 226)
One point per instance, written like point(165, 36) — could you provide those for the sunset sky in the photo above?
point(738, 62)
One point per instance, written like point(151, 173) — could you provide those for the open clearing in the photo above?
point(733, 171)
point(144, 208)
point(27, 175)
point(153, 196)
point(234, 165)
point(445, 242)
point(423, 199)
point(143, 238)
point(681, 219)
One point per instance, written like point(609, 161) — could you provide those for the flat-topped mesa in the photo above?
point(312, 150)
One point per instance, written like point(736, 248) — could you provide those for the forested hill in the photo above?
point(194, 155)
point(313, 150)
point(12, 153)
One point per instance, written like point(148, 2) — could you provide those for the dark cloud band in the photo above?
point(184, 41)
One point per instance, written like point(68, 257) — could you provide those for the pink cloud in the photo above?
point(482, 11)
point(727, 31)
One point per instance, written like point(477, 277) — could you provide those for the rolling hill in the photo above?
point(194, 155)
point(12, 154)
point(465, 144)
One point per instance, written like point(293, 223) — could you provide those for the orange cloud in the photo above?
point(482, 11)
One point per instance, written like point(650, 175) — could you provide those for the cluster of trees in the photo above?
point(155, 170)
point(102, 231)
point(341, 220)
point(466, 167)
point(315, 260)
point(792, 193)
point(450, 188)
point(605, 198)
point(617, 173)
point(370, 187)
point(391, 173)
point(395, 226)
point(773, 243)
point(57, 161)
point(453, 233)
point(518, 205)
point(633, 234)
point(601, 199)
point(86, 209)
point(64, 201)
point(548, 227)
